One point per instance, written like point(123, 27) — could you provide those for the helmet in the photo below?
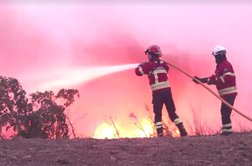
point(154, 50)
point(218, 50)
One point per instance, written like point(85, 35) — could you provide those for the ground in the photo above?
point(232, 150)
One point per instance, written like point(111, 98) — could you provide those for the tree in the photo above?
point(38, 116)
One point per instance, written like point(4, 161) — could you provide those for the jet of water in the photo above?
point(68, 78)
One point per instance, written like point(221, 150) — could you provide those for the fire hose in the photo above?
point(216, 95)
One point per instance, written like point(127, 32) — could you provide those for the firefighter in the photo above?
point(225, 81)
point(157, 72)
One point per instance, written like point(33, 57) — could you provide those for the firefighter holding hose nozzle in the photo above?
point(225, 81)
point(157, 72)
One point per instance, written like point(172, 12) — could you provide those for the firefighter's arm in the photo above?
point(212, 80)
point(203, 80)
point(142, 69)
point(227, 74)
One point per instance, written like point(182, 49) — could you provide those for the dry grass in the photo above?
point(217, 150)
point(112, 123)
point(169, 127)
point(197, 150)
point(199, 125)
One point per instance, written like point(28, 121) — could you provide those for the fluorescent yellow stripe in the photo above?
point(227, 130)
point(141, 70)
point(229, 90)
point(156, 77)
point(177, 121)
point(159, 71)
point(160, 85)
point(227, 125)
point(159, 125)
point(156, 72)
point(226, 74)
point(222, 79)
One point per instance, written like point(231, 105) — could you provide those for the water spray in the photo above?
point(68, 77)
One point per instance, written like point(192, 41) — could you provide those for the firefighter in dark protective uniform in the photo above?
point(225, 81)
point(157, 72)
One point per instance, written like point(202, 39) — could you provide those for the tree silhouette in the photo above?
point(38, 116)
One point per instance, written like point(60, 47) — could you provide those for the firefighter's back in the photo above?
point(158, 77)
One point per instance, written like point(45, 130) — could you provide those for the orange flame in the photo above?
point(104, 131)
point(146, 129)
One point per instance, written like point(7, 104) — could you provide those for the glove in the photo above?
point(212, 83)
point(203, 80)
point(195, 80)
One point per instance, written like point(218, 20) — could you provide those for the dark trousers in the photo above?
point(226, 113)
point(158, 99)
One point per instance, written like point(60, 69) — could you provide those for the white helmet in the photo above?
point(219, 50)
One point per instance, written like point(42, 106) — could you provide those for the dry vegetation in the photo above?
point(233, 150)
point(206, 148)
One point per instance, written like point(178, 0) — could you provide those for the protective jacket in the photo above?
point(157, 72)
point(225, 79)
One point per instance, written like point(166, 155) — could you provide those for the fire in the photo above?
point(176, 133)
point(144, 129)
point(104, 131)
point(147, 129)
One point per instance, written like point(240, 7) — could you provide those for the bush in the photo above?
point(36, 117)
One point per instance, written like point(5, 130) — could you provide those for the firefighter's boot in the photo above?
point(226, 133)
point(227, 129)
point(160, 132)
point(182, 130)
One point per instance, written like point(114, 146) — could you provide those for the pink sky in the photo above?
point(39, 42)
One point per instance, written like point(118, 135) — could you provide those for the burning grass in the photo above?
point(146, 126)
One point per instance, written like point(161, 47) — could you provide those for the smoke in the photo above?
point(44, 43)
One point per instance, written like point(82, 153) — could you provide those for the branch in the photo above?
point(138, 124)
point(112, 123)
point(71, 125)
point(69, 115)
